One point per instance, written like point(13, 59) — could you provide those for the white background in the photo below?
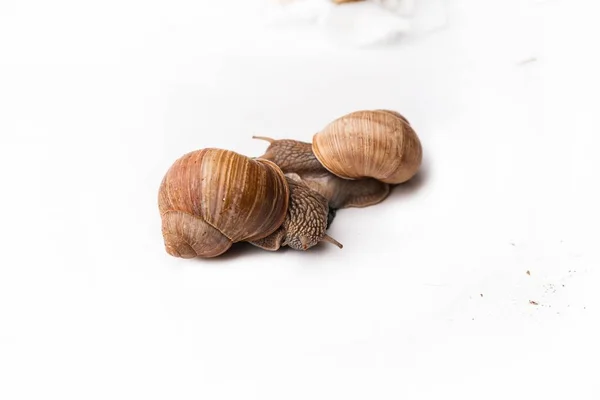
point(429, 297)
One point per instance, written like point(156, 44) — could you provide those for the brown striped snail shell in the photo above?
point(212, 198)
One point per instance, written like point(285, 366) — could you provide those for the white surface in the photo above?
point(98, 100)
point(357, 24)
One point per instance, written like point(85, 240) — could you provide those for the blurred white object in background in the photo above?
point(359, 23)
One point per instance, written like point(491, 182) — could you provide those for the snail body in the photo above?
point(354, 160)
point(212, 198)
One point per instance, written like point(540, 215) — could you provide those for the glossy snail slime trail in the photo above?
point(212, 198)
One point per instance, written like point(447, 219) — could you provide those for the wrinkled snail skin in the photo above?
point(306, 221)
point(212, 198)
point(354, 160)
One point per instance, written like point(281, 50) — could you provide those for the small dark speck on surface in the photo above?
point(481, 294)
point(528, 272)
point(535, 303)
point(512, 244)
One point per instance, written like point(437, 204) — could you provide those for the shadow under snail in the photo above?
point(212, 198)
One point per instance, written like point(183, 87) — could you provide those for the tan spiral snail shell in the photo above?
point(353, 160)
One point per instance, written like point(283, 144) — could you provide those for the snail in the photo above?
point(212, 198)
point(354, 160)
